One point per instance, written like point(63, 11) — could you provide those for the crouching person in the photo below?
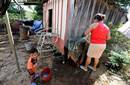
point(32, 63)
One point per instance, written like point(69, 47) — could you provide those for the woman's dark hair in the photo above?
point(33, 50)
point(99, 17)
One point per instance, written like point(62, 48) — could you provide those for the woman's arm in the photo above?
point(109, 36)
point(31, 72)
point(92, 26)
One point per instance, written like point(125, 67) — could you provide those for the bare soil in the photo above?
point(62, 74)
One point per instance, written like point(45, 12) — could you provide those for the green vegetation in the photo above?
point(118, 50)
point(15, 12)
point(119, 60)
point(39, 12)
point(118, 41)
point(123, 2)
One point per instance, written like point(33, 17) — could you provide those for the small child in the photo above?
point(32, 63)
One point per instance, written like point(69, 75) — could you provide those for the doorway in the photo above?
point(50, 18)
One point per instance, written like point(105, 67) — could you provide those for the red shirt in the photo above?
point(99, 34)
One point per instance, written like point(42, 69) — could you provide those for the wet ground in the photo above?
point(62, 74)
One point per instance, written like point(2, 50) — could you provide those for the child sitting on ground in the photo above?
point(32, 63)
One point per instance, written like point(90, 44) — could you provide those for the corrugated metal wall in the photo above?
point(84, 12)
point(72, 17)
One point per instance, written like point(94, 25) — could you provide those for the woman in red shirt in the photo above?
point(99, 35)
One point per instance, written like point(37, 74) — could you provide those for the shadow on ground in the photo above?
point(69, 73)
point(62, 74)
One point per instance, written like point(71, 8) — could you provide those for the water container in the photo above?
point(33, 83)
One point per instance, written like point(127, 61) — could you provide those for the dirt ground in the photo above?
point(62, 74)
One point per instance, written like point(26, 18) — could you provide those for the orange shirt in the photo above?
point(30, 65)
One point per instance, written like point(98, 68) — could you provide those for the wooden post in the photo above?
point(11, 39)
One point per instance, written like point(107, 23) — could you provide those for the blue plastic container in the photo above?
point(33, 83)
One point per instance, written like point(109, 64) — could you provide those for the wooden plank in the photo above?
point(11, 39)
point(93, 8)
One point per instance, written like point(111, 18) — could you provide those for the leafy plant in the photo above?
point(39, 12)
point(118, 41)
point(36, 16)
point(117, 50)
point(15, 12)
point(123, 2)
point(118, 60)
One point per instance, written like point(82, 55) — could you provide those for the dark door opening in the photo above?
point(50, 18)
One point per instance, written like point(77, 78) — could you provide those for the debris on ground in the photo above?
point(62, 74)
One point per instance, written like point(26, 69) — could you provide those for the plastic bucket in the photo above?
point(46, 74)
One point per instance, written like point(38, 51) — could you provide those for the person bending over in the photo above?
point(100, 33)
